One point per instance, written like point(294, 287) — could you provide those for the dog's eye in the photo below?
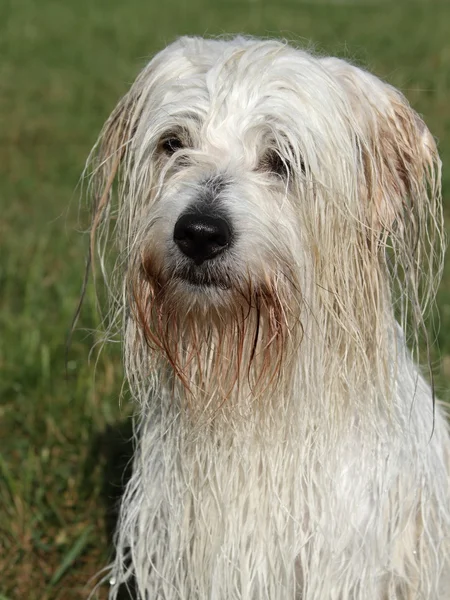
point(171, 145)
point(273, 162)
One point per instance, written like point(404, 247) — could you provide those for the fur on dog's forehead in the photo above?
point(241, 83)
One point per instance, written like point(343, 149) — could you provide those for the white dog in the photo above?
point(276, 215)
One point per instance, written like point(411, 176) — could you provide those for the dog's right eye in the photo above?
point(171, 145)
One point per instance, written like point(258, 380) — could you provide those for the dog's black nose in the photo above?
point(201, 236)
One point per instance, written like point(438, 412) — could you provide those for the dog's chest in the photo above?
point(274, 497)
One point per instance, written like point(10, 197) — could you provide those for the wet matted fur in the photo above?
point(287, 444)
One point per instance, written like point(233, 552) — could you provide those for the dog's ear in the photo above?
point(107, 158)
point(400, 163)
point(399, 174)
point(112, 145)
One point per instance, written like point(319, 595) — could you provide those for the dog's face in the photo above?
point(257, 178)
point(232, 153)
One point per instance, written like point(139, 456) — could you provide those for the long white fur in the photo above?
point(287, 444)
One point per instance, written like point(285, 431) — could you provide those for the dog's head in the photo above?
point(260, 190)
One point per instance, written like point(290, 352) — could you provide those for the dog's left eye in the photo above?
point(273, 162)
point(171, 145)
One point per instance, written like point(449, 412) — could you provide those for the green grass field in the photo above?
point(63, 66)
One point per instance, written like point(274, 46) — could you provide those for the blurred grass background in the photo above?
point(63, 66)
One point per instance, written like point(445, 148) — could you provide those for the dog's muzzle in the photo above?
point(202, 236)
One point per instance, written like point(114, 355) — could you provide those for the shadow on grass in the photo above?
point(113, 449)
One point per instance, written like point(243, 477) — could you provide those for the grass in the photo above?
point(63, 66)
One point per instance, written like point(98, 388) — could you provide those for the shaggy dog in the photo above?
point(278, 233)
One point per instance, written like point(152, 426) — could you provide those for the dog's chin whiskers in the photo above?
point(218, 350)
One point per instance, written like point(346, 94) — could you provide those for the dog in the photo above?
point(277, 227)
